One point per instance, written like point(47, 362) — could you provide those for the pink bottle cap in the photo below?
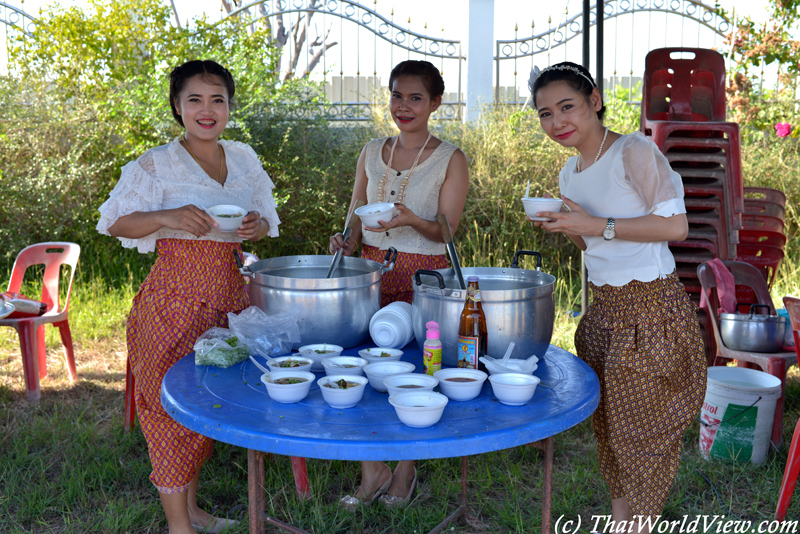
point(433, 329)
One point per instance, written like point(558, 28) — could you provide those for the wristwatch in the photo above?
point(609, 233)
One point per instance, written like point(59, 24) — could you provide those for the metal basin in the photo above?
point(749, 332)
point(333, 310)
point(518, 304)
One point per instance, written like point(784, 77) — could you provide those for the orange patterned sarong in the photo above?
point(191, 288)
point(396, 284)
point(643, 341)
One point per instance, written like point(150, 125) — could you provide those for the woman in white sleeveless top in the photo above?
point(424, 176)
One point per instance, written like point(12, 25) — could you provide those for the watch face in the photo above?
point(609, 233)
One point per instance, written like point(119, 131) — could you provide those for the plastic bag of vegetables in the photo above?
point(219, 347)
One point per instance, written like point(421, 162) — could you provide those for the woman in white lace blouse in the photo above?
point(640, 334)
point(194, 282)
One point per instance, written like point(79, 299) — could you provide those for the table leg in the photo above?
point(301, 478)
point(255, 490)
point(546, 445)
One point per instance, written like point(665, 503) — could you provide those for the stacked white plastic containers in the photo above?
point(391, 326)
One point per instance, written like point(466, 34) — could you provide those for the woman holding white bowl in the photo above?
point(423, 176)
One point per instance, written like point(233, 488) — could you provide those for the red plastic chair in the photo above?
point(767, 194)
point(762, 237)
point(775, 363)
point(686, 84)
point(31, 329)
point(793, 461)
point(762, 222)
point(765, 258)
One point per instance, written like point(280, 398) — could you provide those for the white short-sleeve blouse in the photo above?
point(168, 177)
point(632, 179)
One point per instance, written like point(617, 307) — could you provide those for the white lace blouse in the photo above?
point(632, 179)
point(167, 177)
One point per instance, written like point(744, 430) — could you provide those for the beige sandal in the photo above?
point(393, 501)
point(216, 525)
point(352, 504)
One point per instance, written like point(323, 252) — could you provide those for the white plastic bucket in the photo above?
point(737, 414)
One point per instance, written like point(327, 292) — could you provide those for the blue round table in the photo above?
point(231, 405)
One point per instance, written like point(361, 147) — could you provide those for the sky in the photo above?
point(627, 38)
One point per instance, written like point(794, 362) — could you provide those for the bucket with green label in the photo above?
point(737, 414)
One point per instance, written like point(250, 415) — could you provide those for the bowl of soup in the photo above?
point(318, 352)
point(227, 216)
point(342, 391)
point(288, 386)
point(534, 205)
point(460, 384)
point(380, 354)
point(344, 365)
point(409, 382)
point(419, 409)
point(286, 363)
point(373, 214)
point(377, 372)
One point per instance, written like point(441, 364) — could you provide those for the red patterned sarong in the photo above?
point(396, 284)
point(643, 341)
point(191, 288)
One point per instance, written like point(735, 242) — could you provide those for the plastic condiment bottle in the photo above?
point(432, 349)
point(472, 339)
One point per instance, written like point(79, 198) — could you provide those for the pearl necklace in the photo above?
point(402, 191)
point(221, 157)
point(598, 152)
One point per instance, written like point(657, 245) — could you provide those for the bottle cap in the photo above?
point(472, 279)
point(433, 330)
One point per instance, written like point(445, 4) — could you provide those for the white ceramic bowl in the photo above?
point(372, 214)
point(514, 365)
point(274, 364)
point(419, 409)
point(460, 391)
point(288, 392)
point(354, 365)
point(342, 398)
point(373, 354)
point(311, 351)
point(514, 389)
point(408, 382)
point(534, 205)
point(227, 216)
point(376, 372)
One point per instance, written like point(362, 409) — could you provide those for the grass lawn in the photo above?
point(67, 466)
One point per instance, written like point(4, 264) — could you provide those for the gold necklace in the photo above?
point(221, 156)
point(402, 191)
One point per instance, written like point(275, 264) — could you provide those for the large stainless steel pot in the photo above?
point(749, 332)
point(329, 310)
point(518, 304)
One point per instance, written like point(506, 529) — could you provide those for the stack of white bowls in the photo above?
point(391, 326)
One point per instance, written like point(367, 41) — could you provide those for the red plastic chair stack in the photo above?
point(31, 329)
point(793, 461)
point(762, 239)
point(683, 112)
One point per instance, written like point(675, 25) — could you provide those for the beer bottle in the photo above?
point(472, 340)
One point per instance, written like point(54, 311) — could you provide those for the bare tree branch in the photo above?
point(316, 57)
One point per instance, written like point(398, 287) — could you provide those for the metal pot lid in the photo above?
point(751, 318)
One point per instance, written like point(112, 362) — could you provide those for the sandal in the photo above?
point(352, 504)
point(393, 501)
point(216, 525)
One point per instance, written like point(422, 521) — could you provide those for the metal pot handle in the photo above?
point(245, 271)
point(431, 273)
point(753, 307)
point(515, 261)
point(389, 260)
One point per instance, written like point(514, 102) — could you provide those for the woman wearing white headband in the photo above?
point(640, 334)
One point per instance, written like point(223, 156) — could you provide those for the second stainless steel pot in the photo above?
point(518, 304)
point(333, 310)
point(749, 332)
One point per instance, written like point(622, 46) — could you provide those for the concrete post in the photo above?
point(480, 57)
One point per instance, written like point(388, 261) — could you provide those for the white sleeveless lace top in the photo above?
point(167, 177)
point(422, 197)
